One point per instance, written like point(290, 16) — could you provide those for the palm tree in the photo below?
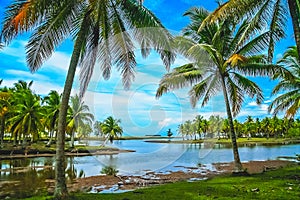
point(5, 99)
point(181, 131)
point(84, 130)
point(103, 31)
point(79, 116)
point(20, 92)
point(289, 83)
point(97, 128)
point(27, 114)
point(266, 14)
point(265, 125)
point(198, 123)
point(222, 56)
point(188, 128)
point(111, 129)
point(52, 111)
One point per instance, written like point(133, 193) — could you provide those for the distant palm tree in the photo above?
point(79, 114)
point(111, 129)
point(97, 128)
point(222, 56)
point(52, 111)
point(289, 84)
point(270, 15)
point(103, 31)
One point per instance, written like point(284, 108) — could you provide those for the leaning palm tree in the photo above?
point(103, 31)
point(111, 129)
point(79, 116)
point(222, 56)
point(289, 83)
point(268, 14)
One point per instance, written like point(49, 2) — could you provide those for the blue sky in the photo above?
point(137, 108)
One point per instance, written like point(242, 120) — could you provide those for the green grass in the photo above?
point(280, 184)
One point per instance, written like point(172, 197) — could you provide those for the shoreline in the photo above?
point(250, 142)
point(67, 153)
point(113, 184)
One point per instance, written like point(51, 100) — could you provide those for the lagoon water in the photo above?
point(163, 157)
point(158, 157)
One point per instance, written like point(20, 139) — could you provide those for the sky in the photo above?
point(140, 112)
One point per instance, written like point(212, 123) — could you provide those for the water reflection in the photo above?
point(21, 178)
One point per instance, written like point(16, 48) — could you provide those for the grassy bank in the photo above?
point(278, 184)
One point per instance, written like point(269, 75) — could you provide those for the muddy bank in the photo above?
point(105, 183)
point(4, 154)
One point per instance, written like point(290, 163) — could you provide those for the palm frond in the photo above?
point(180, 77)
point(253, 69)
point(24, 15)
point(49, 35)
point(277, 27)
point(146, 26)
point(236, 96)
point(206, 89)
point(288, 101)
point(247, 86)
point(256, 45)
point(232, 10)
point(123, 50)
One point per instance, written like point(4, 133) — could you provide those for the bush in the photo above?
point(109, 170)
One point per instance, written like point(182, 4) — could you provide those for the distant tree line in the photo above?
point(218, 127)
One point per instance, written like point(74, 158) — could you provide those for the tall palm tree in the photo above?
point(289, 83)
point(79, 115)
point(265, 14)
point(27, 114)
point(111, 128)
point(52, 111)
point(222, 55)
point(103, 31)
point(21, 92)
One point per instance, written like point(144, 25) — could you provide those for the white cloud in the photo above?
point(252, 103)
point(264, 107)
point(25, 74)
point(59, 60)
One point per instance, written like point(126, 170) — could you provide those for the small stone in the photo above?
point(255, 190)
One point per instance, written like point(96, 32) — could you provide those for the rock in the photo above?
point(255, 190)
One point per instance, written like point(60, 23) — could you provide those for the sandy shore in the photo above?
point(104, 183)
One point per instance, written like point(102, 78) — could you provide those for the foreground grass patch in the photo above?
point(280, 184)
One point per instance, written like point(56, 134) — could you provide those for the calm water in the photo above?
point(159, 157)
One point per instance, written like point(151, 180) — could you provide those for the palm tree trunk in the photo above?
point(72, 138)
point(2, 130)
point(50, 139)
point(61, 191)
point(237, 162)
point(295, 14)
